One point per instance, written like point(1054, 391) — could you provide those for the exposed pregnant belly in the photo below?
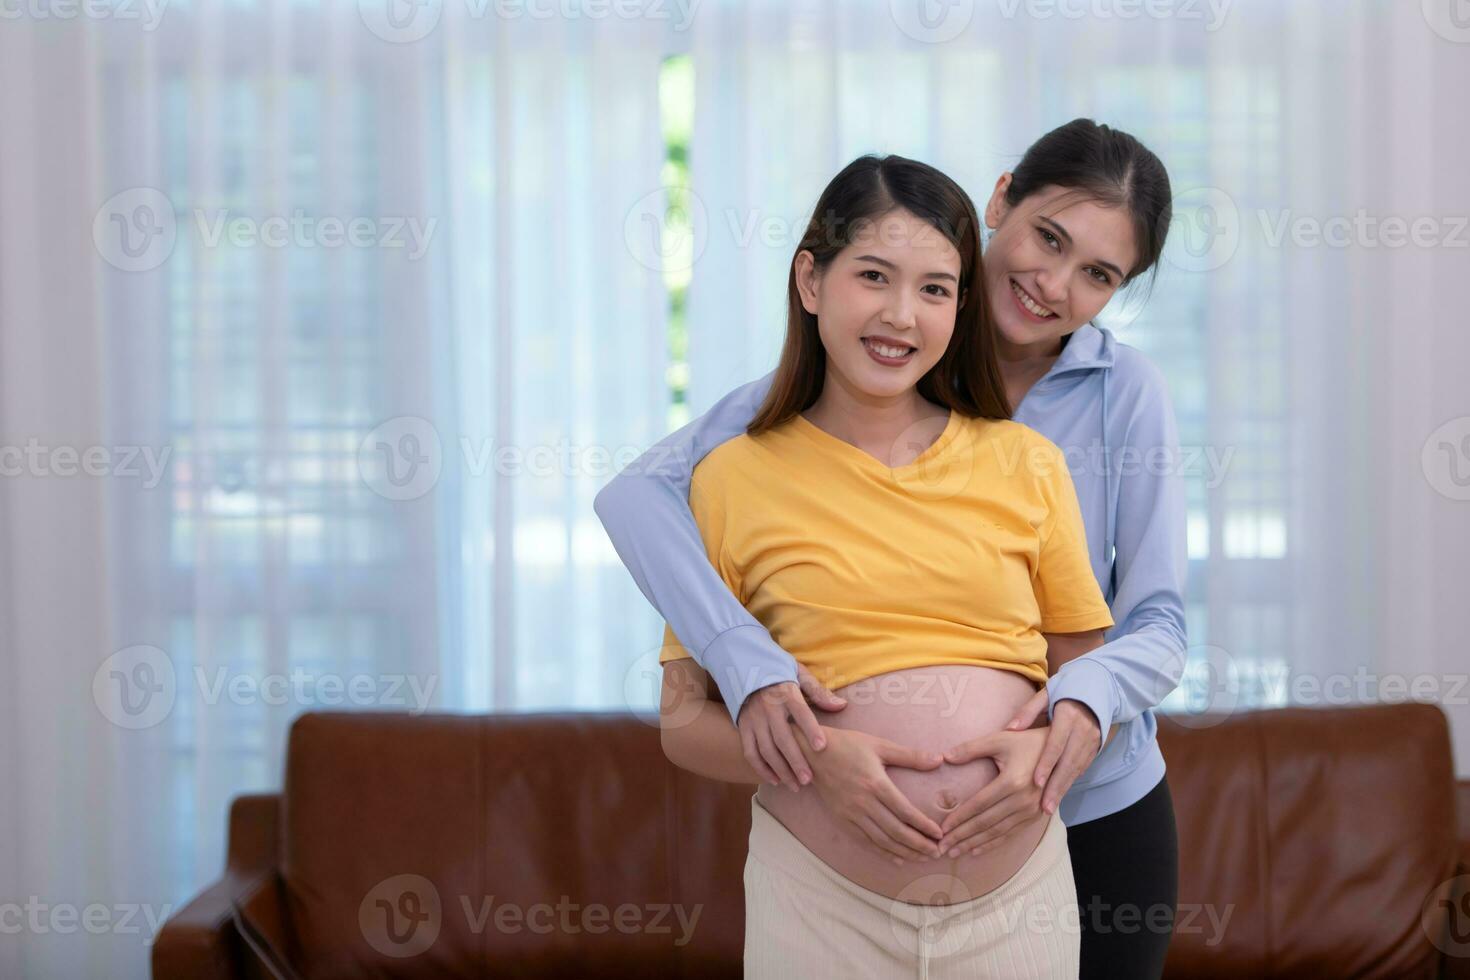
point(933, 709)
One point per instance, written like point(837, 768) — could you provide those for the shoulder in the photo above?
point(1013, 451)
point(728, 459)
point(1010, 433)
point(740, 465)
point(1136, 381)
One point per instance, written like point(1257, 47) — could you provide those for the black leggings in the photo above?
point(1126, 866)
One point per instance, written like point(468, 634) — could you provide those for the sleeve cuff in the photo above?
point(744, 659)
point(1090, 683)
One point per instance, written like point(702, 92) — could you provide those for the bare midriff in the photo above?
point(932, 709)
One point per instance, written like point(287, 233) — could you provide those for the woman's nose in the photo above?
point(900, 313)
point(1052, 288)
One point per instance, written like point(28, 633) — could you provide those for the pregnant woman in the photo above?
point(916, 550)
point(1084, 213)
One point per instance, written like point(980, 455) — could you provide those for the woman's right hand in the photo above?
point(765, 733)
point(852, 779)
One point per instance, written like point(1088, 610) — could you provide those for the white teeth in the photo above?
point(1029, 303)
point(887, 351)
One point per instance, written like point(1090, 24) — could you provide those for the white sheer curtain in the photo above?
point(507, 360)
point(486, 326)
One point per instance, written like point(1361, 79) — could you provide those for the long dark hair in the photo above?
point(967, 377)
point(1109, 166)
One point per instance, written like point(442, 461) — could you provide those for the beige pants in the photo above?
point(804, 920)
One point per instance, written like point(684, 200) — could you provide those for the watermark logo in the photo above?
point(643, 684)
point(1446, 459)
point(1211, 13)
point(1362, 229)
point(148, 12)
point(36, 459)
point(921, 920)
point(1209, 692)
point(406, 21)
point(666, 230)
point(401, 916)
point(135, 229)
point(402, 458)
point(1450, 19)
point(930, 472)
point(135, 687)
point(932, 21)
point(39, 917)
point(1445, 917)
point(1205, 230)
point(400, 21)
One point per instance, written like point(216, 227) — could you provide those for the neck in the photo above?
point(1022, 365)
point(866, 420)
point(1022, 357)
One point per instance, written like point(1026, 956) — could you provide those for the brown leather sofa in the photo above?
point(565, 845)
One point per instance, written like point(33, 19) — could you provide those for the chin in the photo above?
point(1017, 332)
point(1020, 332)
point(887, 387)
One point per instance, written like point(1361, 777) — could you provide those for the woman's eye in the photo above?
point(1048, 237)
point(872, 272)
point(938, 289)
point(1100, 276)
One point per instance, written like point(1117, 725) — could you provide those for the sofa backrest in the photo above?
point(521, 845)
point(1322, 832)
point(566, 844)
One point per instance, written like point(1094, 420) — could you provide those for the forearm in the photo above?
point(1147, 647)
point(646, 513)
point(703, 741)
point(1127, 675)
point(1062, 649)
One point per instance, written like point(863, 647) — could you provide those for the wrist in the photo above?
point(1081, 711)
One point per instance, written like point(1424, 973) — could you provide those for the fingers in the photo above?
point(961, 839)
point(791, 753)
point(996, 835)
point(817, 692)
point(762, 726)
point(807, 722)
point(1030, 711)
point(881, 840)
point(1073, 763)
point(1056, 741)
point(903, 808)
point(994, 791)
point(918, 848)
point(984, 747)
point(894, 754)
point(753, 753)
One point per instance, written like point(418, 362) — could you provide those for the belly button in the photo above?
point(947, 800)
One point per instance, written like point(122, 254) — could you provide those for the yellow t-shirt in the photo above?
point(964, 556)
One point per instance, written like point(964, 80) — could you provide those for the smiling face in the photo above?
point(1055, 260)
point(885, 305)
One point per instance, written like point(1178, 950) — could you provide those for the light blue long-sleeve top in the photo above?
point(1108, 409)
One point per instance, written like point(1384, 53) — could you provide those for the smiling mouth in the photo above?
point(1029, 304)
point(887, 353)
point(894, 351)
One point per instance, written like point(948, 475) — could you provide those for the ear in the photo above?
point(996, 208)
point(806, 280)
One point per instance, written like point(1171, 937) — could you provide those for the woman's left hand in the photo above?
point(1037, 767)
